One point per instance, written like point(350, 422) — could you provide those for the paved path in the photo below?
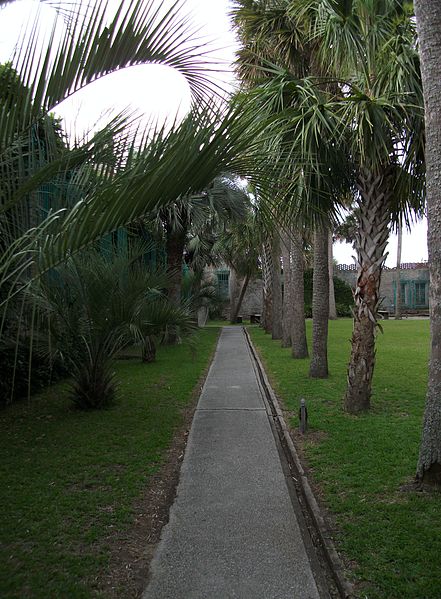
point(232, 532)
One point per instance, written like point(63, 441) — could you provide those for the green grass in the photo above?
point(361, 465)
point(69, 479)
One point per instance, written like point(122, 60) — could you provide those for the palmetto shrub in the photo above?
point(15, 382)
point(93, 306)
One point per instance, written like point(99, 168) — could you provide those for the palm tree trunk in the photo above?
point(320, 306)
point(287, 299)
point(233, 285)
point(428, 15)
point(370, 243)
point(238, 304)
point(398, 275)
point(298, 327)
point(267, 312)
point(332, 306)
point(276, 329)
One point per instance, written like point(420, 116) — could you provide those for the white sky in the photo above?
point(161, 93)
point(414, 247)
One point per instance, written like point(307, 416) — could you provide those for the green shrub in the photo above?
point(14, 373)
point(93, 306)
point(343, 295)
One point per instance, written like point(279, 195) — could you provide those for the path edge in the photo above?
point(344, 587)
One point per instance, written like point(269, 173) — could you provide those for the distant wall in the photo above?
point(414, 287)
point(414, 278)
point(229, 285)
point(252, 302)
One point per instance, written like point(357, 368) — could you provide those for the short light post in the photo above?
point(303, 416)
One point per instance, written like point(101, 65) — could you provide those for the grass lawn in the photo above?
point(362, 466)
point(69, 479)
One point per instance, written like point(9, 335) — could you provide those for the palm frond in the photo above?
point(207, 143)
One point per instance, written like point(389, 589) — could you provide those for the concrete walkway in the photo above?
point(233, 530)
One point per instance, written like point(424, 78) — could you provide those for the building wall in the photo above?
point(252, 302)
point(414, 279)
point(229, 286)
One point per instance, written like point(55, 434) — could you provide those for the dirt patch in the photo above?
point(414, 486)
point(311, 437)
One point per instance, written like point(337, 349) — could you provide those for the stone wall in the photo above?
point(414, 279)
point(252, 302)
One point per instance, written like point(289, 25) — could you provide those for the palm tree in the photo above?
point(93, 45)
point(239, 247)
point(287, 290)
point(257, 25)
point(398, 298)
point(320, 306)
point(429, 30)
point(271, 36)
point(115, 179)
point(382, 110)
point(375, 113)
point(276, 328)
point(298, 326)
point(332, 306)
point(265, 37)
point(221, 202)
point(267, 288)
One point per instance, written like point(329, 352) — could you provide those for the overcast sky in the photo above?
point(160, 92)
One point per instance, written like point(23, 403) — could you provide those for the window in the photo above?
point(222, 283)
point(403, 298)
point(420, 294)
point(403, 294)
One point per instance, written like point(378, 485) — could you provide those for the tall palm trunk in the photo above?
point(428, 15)
point(320, 306)
point(370, 243)
point(276, 329)
point(238, 303)
point(332, 306)
point(298, 328)
point(398, 275)
point(267, 312)
point(233, 289)
point(287, 299)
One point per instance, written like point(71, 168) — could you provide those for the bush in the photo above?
point(343, 310)
point(93, 306)
point(343, 296)
point(15, 385)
